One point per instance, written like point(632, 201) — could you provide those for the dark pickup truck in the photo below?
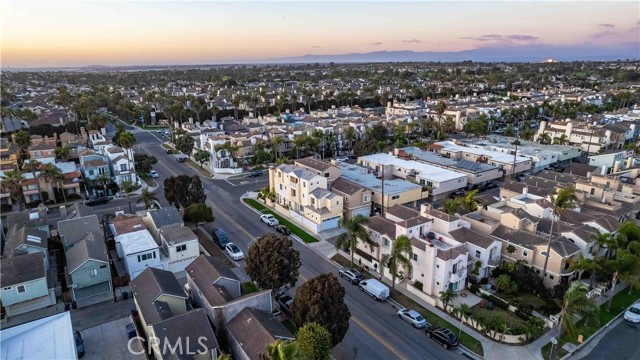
point(97, 201)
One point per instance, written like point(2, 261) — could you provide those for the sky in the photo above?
point(57, 33)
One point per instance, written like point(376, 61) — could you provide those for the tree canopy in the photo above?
point(314, 342)
point(198, 213)
point(184, 190)
point(272, 262)
point(185, 143)
point(321, 300)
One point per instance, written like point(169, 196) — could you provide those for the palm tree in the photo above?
point(127, 188)
point(561, 140)
point(23, 140)
point(464, 311)
point(400, 255)
point(515, 143)
point(12, 181)
point(32, 166)
point(576, 303)
point(63, 152)
point(451, 206)
point(583, 264)
point(52, 173)
point(544, 138)
point(355, 232)
point(274, 143)
point(503, 282)
point(469, 200)
point(282, 350)
point(565, 199)
point(147, 197)
point(441, 106)
point(448, 125)
point(447, 296)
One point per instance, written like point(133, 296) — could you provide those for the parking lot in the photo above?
point(109, 341)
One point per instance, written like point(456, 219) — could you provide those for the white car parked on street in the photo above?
point(632, 314)
point(234, 251)
point(269, 220)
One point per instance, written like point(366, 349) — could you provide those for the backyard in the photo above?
point(294, 229)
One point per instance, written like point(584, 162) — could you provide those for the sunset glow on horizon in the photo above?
point(53, 33)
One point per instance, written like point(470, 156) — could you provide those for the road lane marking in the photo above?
point(378, 338)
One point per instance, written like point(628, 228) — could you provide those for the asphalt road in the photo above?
point(375, 332)
point(620, 343)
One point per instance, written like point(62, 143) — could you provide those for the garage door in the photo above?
point(30, 305)
point(330, 223)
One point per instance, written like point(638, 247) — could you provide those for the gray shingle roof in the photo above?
point(91, 247)
point(346, 187)
point(20, 269)
point(178, 234)
point(382, 226)
point(191, 329)
point(402, 212)
point(18, 236)
point(204, 271)
point(165, 216)
point(315, 163)
point(452, 253)
point(76, 229)
point(151, 284)
point(254, 330)
point(464, 235)
point(297, 171)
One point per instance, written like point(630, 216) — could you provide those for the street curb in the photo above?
point(593, 336)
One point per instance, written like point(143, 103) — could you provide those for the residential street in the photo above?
point(619, 343)
point(375, 331)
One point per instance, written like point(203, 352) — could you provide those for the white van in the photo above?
point(375, 288)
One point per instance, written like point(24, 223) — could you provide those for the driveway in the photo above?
point(109, 341)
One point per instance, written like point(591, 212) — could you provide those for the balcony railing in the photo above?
point(458, 275)
point(494, 261)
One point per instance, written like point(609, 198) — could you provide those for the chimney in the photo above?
point(629, 162)
point(604, 170)
point(616, 166)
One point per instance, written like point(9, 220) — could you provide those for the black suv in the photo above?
point(446, 338)
point(255, 173)
point(282, 229)
point(97, 201)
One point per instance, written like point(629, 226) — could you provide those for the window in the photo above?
point(525, 253)
point(461, 180)
point(415, 257)
point(551, 277)
point(304, 184)
point(544, 253)
point(386, 242)
point(455, 268)
point(280, 186)
point(123, 167)
point(367, 198)
point(7, 288)
point(293, 192)
point(326, 175)
point(181, 248)
point(593, 191)
point(477, 253)
point(429, 183)
point(145, 257)
point(103, 266)
point(91, 172)
point(94, 272)
point(479, 175)
point(21, 289)
point(395, 197)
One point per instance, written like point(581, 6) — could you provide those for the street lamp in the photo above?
point(554, 341)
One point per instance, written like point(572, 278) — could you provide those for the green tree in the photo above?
point(544, 138)
point(198, 213)
point(355, 233)
point(52, 173)
point(561, 140)
point(63, 153)
point(446, 297)
point(127, 188)
point(400, 255)
point(272, 262)
point(126, 140)
point(564, 199)
point(185, 143)
point(441, 106)
point(184, 190)
point(508, 131)
point(147, 197)
point(23, 140)
point(12, 181)
point(583, 264)
point(32, 166)
point(282, 350)
point(202, 156)
point(314, 342)
point(576, 303)
point(469, 200)
point(527, 134)
point(267, 194)
point(451, 206)
point(144, 162)
point(321, 300)
point(503, 283)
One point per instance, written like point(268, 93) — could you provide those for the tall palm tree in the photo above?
point(127, 188)
point(23, 140)
point(446, 297)
point(544, 138)
point(583, 264)
point(561, 140)
point(576, 303)
point(63, 152)
point(451, 206)
point(565, 199)
point(282, 350)
point(469, 200)
point(147, 197)
point(441, 106)
point(12, 181)
point(400, 255)
point(355, 232)
point(274, 143)
point(515, 143)
point(53, 174)
point(32, 166)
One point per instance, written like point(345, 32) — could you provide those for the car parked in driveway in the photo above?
point(282, 229)
point(234, 251)
point(632, 314)
point(446, 338)
point(269, 220)
point(412, 317)
point(350, 274)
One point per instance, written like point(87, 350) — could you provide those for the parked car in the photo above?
point(96, 201)
point(79, 343)
point(375, 288)
point(282, 229)
point(632, 314)
point(350, 274)
point(269, 220)
point(255, 173)
point(234, 251)
point(412, 317)
point(169, 151)
point(342, 159)
point(153, 174)
point(446, 338)
point(182, 159)
point(220, 237)
point(458, 193)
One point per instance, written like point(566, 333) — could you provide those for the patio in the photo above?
point(466, 297)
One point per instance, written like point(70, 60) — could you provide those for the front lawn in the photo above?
point(294, 229)
point(513, 322)
point(621, 301)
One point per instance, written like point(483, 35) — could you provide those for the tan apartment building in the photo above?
point(303, 195)
point(319, 167)
point(8, 155)
point(357, 199)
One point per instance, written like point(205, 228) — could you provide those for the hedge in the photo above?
point(497, 302)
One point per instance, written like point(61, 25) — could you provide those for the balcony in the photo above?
point(494, 262)
point(458, 275)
